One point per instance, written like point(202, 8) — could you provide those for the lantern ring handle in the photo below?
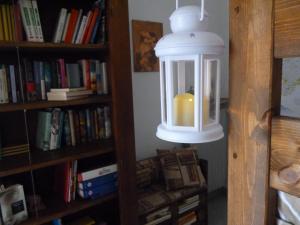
point(202, 9)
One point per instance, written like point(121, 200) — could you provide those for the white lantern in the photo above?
point(190, 79)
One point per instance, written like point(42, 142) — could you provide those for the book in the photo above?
point(13, 205)
point(56, 128)
point(157, 214)
point(83, 131)
point(5, 22)
point(37, 19)
point(62, 72)
point(2, 38)
point(188, 219)
point(60, 25)
point(71, 26)
point(18, 23)
point(44, 130)
point(66, 27)
point(4, 85)
point(107, 123)
point(9, 23)
point(96, 29)
point(42, 80)
point(88, 125)
point(93, 77)
point(37, 78)
point(26, 20)
point(58, 97)
point(73, 74)
point(184, 208)
point(159, 220)
point(104, 78)
point(98, 181)
point(13, 23)
point(89, 31)
point(88, 21)
point(77, 26)
point(97, 172)
point(81, 30)
point(72, 127)
point(98, 191)
point(13, 83)
point(71, 93)
point(67, 130)
point(32, 18)
point(59, 90)
point(29, 81)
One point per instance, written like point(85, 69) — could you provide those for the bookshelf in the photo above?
point(18, 121)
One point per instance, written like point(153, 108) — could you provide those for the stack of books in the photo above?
point(188, 219)
point(158, 216)
point(98, 182)
point(64, 94)
point(188, 204)
point(13, 150)
point(57, 128)
point(78, 28)
point(65, 180)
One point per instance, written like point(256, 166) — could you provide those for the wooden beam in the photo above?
point(251, 65)
point(285, 156)
point(287, 28)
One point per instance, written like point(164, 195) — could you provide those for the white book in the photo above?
point(80, 31)
point(37, 21)
point(13, 83)
point(77, 26)
point(60, 25)
point(187, 207)
point(67, 89)
point(85, 26)
point(72, 128)
point(97, 172)
point(65, 27)
point(26, 21)
point(159, 220)
point(71, 93)
point(55, 124)
point(42, 77)
point(54, 97)
point(33, 26)
point(104, 77)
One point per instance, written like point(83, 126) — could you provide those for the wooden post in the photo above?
point(251, 65)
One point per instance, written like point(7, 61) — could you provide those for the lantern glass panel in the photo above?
point(210, 92)
point(183, 73)
point(163, 91)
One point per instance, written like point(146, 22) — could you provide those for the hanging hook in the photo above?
point(176, 4)
point(202, 9)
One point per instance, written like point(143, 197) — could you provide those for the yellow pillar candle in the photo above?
point(183, 108)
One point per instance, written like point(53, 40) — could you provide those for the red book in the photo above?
point(62, 71)
point(85, 65)
point(88, 23)
point(18, 23)
point(91, 26)
point(71, 25)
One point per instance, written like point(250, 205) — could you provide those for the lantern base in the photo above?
point(210, 134)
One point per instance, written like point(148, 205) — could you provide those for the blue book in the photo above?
point(13, 83)
point(94, 34)
point(48, 79)
point(44, 130)
point(98, 191)
point(93, 183)
point(37, 78)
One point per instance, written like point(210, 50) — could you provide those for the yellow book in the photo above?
point(9, 25)
point(5, 24)
point(1, 26)
point(12, 16)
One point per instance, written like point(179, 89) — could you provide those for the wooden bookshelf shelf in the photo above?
point(51, 104)
point(24, 45)
point(57, 209)
point(39, 159)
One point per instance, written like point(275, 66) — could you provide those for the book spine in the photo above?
point(66, 27)
point(96, 29)
point(60, 131)
point(2, 38)
point(67, 130)
point(71, 26)
point(37, 78)
point(18, 22)
point(93, 77)
point(74, 179)
point(76, 126)
point(81, 29)
point(88, 125)
point(55, 126)
point(91, 25)
point(9, 22)
point(40, 130)
point(13, 83)
point(5, 22)
point(5, 98)
point(88, 20)
point(48, 77)
point(9, 91)
point(99, 191)
point(96, 124)
point(89, 184)
point(32, 20)
point(13, 23)
point(26, 21)
point(29, 79)
point(42, 80)
point(99, 85)
point(93, 125)
point(97, 173)
point(104, 77)
point(47, 132)
point(82, 122)
point(64, 80)
point(60, 26)
point(101, 122)
point(77, 26)
point(107, 122)
point(103, 22)
point(72, 128)
point(37, 21)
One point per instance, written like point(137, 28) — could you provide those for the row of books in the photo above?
point(57, 128)
point(98, 182)
point(188, 219)
point(7, 22)
point(40, 76)
point(158, 216)
point(79, 28)
point(188, 204)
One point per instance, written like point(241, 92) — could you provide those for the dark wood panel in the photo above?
point(52, 104)
point(285, 157)
point(287, 28)
point(39, 159)
point(251, 63)
point(58, 209)
point(120, 70)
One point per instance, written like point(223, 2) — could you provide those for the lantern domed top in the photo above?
point(190, 35)
point(188, 18)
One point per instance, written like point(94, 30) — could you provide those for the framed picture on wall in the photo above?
point(145, 35)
